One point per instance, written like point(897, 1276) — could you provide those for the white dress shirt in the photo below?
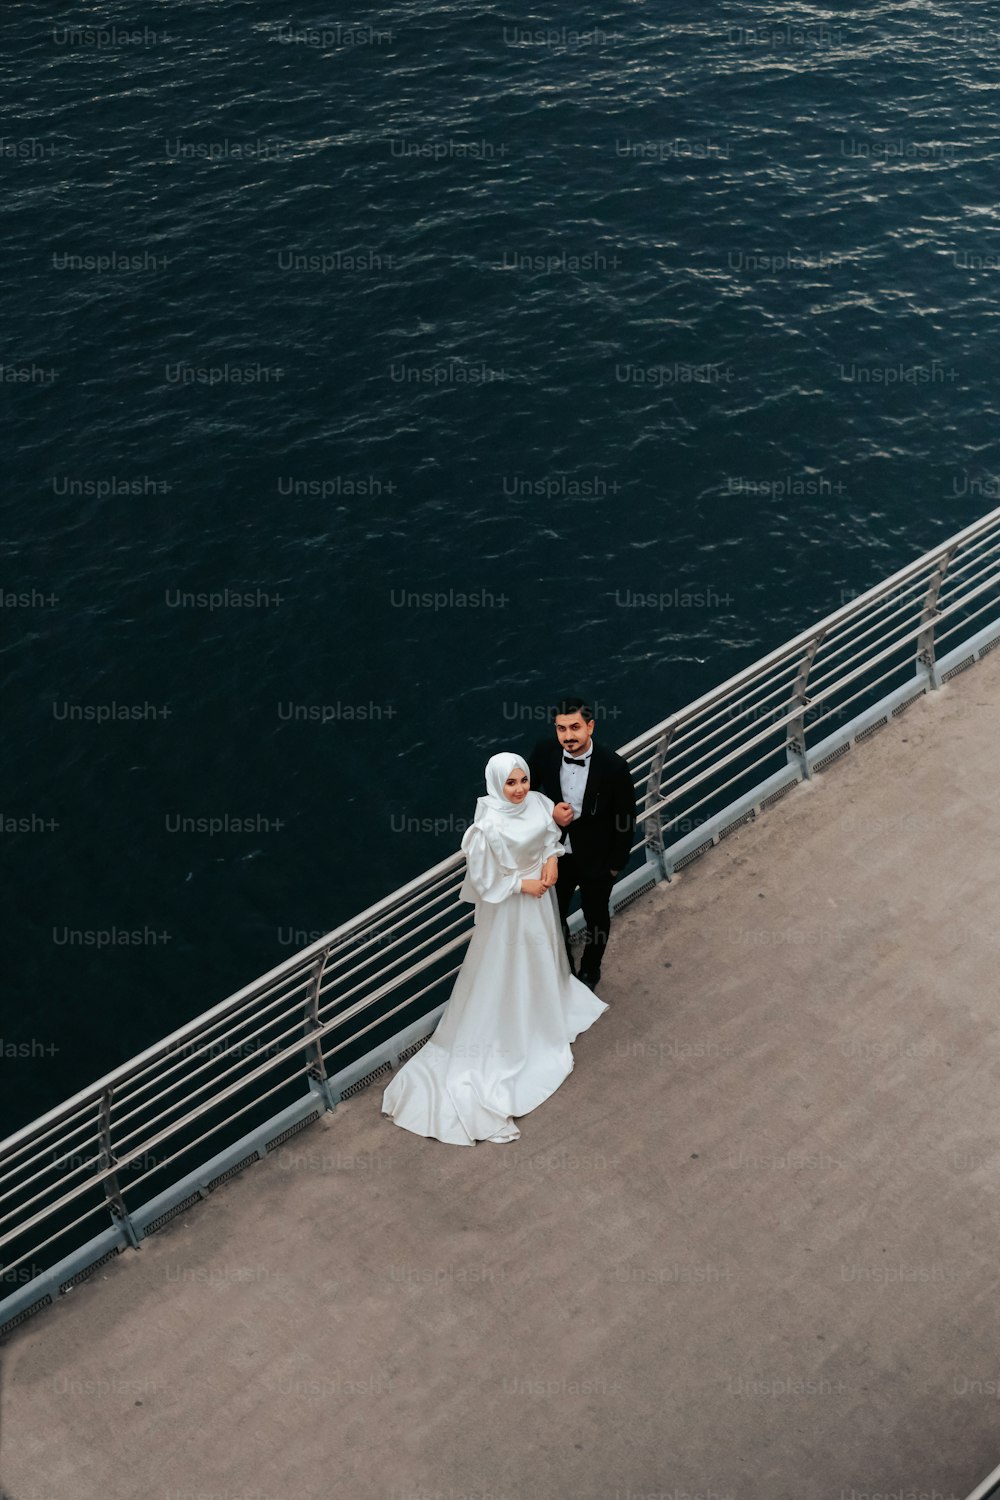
point(573, 785)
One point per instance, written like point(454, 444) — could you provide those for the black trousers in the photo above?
point(595, 898)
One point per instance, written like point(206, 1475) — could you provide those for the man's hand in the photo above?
point(562, 814)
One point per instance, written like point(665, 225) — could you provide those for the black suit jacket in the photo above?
point(602, 835)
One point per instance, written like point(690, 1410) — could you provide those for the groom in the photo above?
point(595, 806)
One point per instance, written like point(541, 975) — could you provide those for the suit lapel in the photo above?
point(594, 783)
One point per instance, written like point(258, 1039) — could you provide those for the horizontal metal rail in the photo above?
point(280, 1043)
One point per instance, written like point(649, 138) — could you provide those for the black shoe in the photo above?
point(591, 980)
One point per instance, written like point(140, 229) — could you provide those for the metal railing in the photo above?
point(989, 1489)
point(117, 1160)
point(788, 713)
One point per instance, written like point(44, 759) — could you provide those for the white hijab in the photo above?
point(498, 768)
point(509, 826)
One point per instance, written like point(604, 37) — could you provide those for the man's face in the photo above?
point(574, 733)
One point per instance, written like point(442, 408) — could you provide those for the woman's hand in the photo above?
point(550, 871)
point(533, 887)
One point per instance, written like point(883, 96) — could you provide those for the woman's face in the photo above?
point(515, 788)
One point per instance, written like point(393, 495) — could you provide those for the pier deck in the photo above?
point(750, 1249)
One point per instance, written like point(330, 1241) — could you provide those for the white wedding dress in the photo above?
point(502, 1044)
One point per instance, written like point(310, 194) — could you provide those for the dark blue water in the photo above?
point(696, 304)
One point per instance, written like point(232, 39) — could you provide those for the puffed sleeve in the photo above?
point(485, 877)
point(553, 833)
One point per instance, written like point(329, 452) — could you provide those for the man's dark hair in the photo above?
point(573, 703)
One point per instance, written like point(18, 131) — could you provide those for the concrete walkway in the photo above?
point(750, 1249)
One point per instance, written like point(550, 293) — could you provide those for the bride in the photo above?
point(501, 1046)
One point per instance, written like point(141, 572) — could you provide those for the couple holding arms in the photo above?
point(562, 820)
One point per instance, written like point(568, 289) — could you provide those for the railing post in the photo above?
point(653, 821)
point(795, 739)
point(318, 1081)
point(926, 658)
point(112, 1188)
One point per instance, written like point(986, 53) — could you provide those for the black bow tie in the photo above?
point(567, 761)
